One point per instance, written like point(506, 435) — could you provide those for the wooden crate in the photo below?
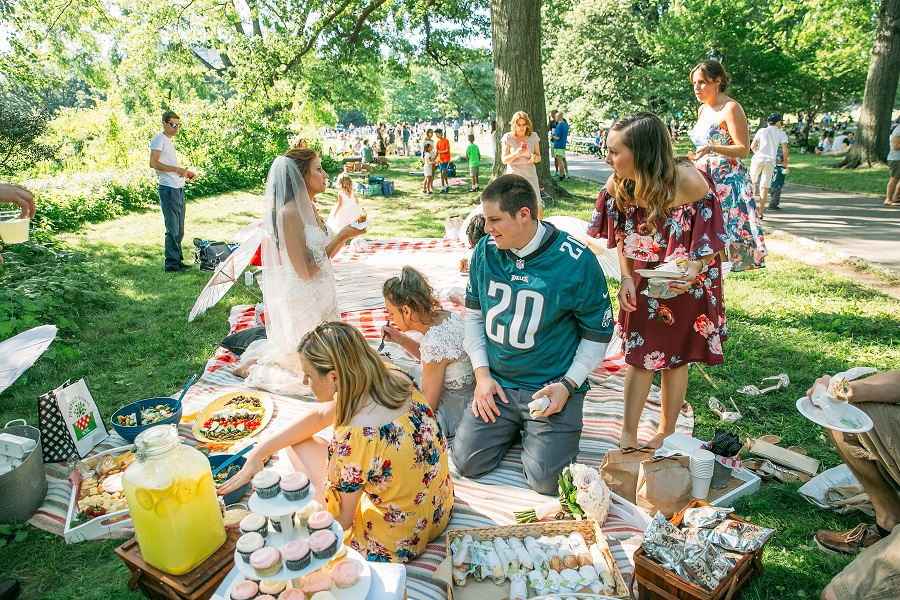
point(198, 584)
point(657, 582)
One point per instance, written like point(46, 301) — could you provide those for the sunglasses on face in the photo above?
point(175, 126)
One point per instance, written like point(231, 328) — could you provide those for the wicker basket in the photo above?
point(657, 582)
point(487, 590)
point(22, 490)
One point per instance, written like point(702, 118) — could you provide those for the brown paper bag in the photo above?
point(664, 485)
point(620, 470)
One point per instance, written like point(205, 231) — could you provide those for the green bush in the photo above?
point(41, 283)
point(102, 172)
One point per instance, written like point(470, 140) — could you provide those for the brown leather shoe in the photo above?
point(847, 542)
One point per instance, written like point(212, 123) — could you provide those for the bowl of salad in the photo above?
point(132, 419)
point(227, 473)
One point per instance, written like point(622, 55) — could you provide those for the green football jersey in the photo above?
point(537, 308)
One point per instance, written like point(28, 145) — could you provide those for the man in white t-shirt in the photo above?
point(171, 189)
point(893, 160)
point(765, 147)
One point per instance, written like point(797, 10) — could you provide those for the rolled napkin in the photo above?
point(538, 406)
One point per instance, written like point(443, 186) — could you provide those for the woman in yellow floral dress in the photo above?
point(385, 471)
point(388, 480)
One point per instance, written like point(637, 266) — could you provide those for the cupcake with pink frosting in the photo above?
point(296, 555)
point(323, 543)
point(245, 590)
point(295, 486)
point(266, 562)
point(345, 574)
point(319, 520)
point(292, 594)
point(317, 582)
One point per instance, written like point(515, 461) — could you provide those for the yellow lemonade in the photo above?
point(172, 500)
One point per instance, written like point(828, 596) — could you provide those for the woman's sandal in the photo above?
point(768, 471)
point(782, 382)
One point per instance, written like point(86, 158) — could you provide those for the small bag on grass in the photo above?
point(664, 485)
point(620, 470)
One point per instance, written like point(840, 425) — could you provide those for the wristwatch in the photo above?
point(568, 385)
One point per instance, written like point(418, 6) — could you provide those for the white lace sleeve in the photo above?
point(444, 341)
point(316, 240)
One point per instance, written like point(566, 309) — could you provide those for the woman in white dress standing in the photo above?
point(346, 211)
point(448, 381)
point(521, 152)
point(298, 280)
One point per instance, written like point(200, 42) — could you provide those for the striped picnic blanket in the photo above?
point(487, 501)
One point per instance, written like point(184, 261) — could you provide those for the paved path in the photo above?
point(858, 226)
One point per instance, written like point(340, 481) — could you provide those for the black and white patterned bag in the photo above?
point(56, 444)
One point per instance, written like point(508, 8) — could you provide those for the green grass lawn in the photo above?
point(787, 318)
point(819, 171)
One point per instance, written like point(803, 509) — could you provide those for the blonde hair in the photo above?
point(655, 165)
point(521, 114)
point(413, 290)
point(338, 347)
point(345, 182)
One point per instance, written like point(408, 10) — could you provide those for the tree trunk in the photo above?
point(518, 80)
point(872, 142)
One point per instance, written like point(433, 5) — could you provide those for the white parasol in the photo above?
point(21, 351)
point(228, 271)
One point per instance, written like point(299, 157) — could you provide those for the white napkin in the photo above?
point(820, 391)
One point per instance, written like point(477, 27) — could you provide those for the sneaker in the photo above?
point(847, 542)
point(555, 176)
point(774, 207)
point(175, 269)
point(443, 191)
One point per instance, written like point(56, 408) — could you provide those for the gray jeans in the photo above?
point(171, 200)
point(548, 444)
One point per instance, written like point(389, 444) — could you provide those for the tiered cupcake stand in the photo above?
point(283, 509)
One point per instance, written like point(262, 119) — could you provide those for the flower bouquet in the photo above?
point(582, 494)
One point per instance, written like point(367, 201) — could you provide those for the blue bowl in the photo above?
point(217, 459)
point(130, 433)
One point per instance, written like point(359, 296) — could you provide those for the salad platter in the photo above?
point(234, 417)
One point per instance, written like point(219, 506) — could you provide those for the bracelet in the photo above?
point(627, 277)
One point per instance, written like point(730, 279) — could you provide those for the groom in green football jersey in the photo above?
point(538, 319)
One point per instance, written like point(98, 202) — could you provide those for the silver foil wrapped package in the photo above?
point(705, 564)
point(738, 536)
point(664, 543)
point(705, 516)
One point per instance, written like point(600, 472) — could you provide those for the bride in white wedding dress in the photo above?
point(298, 279)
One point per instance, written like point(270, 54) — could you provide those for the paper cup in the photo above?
point(700, 486)
point(13, 230)
point(702, 463)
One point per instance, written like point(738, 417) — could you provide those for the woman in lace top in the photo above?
point(297, 281)
point(448, 380)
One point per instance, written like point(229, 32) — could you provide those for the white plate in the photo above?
point(659, 273)
point(854, 421)
point(363, 225)
point(277, 540)
point(279, 505)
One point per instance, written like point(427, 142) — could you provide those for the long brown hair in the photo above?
point(712, 70)
point(655, 165)
point(338, 347)
point(303, 157)
point(413, 290)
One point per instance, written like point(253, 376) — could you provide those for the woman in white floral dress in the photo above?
point(448, 381)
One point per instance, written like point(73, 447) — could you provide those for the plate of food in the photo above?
point(853, 420)
point(660, 273)
point(234, 417)
point(363, 224)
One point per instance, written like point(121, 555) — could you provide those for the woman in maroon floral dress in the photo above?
point(656, 209)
